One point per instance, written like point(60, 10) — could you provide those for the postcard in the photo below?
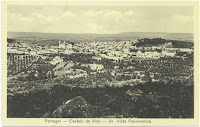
point(100, 63)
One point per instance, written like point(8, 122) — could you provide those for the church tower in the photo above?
point(62, 45)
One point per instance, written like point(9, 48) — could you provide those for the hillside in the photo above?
point(34, 37)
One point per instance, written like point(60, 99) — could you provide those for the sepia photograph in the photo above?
point(100, 60)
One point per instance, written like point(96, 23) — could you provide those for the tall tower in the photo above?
point(62, 44)
point(59, 44)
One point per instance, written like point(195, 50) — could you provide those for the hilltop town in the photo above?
point(121, 61)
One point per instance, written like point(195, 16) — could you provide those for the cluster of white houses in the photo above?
point(66, 69)
point(108, 50)
point(71, 70)
point(113, 49)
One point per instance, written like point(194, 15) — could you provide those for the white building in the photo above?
point(169, 54)
point(56, 60)
point(68, 51)
point(97, 67)
point(62, 45)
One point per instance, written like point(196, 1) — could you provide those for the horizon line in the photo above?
point(97, 33)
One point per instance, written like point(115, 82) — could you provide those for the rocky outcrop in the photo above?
point(74, 108)
point(134, 93)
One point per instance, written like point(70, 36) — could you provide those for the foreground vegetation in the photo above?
point(149, 100)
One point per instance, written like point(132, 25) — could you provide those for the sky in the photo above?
point(99, 19)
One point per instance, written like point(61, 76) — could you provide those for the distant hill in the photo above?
point(10, 40)
point(160, 41)
point(35, 37)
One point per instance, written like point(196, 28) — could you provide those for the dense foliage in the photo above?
point(160, 41)
point(158, 100)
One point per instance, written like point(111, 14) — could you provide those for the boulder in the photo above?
point(74, 108)
point(135, 93)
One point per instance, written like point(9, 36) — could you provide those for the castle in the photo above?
point(62, 44)
point(65, 45)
